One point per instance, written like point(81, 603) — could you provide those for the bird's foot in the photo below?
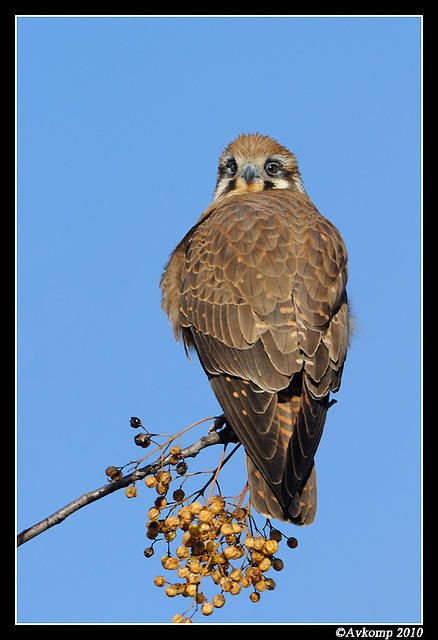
point(226, 432)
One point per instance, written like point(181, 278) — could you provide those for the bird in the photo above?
point(257, 288)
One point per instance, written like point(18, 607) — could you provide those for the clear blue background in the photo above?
point(120, 125)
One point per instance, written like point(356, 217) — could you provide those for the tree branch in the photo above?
point(224, 436)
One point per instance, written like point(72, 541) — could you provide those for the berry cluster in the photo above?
point(217, 545)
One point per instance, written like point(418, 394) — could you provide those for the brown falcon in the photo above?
point(257, 288)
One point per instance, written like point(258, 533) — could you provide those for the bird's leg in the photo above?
point(218, 423)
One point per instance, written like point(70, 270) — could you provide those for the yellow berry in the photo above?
point(257, 556)
point(150, 481)
point(131, 492)
point(185, 514)
point(169, 535)
point(153, 513)
point(190, 589)
point(254, 596)
point(161, 488)
point(193, 578)
point(216, 576)
point(177, 618)
point(160, 581)
point(227, 529)
point(260, 585)
point(236, 575)
point(270, 584)
point(183, 552)
point(235, 589)
point(259, 543)
point(249, 542)
point(271, 546)
point(264, 564)
point(194, 565)
point(253, 573)
point(205, 515)
point(237, 528)
point(164, 559)
point(187, 539)
point(180, 587)
point(171, 522)
point(207, 608)
point(218, 601)
point(226, 583)
point(216, 507)
point(219, 558)
point(163, 477)
point(171, 563)
point(203, 528)
point(230, 553)
point(171, 590)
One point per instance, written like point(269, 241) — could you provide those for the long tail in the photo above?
point(302, 508)
point(296, 500)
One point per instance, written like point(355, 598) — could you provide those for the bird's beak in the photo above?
point(250, 172)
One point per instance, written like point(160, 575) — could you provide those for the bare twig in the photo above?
point(224, 436)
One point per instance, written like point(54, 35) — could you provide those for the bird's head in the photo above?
point(253, 162)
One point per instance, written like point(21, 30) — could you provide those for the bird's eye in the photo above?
point(231, 167)
point(272, 168)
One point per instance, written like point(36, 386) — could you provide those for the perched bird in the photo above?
point(258, 288)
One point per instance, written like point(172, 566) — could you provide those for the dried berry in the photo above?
point(275, 535)
point(178, 495)
point(277, 564)
point(292, 543)
point(113, 473)
point(181, 468)
point(142, 440)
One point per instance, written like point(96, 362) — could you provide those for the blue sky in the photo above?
point(120, 123)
